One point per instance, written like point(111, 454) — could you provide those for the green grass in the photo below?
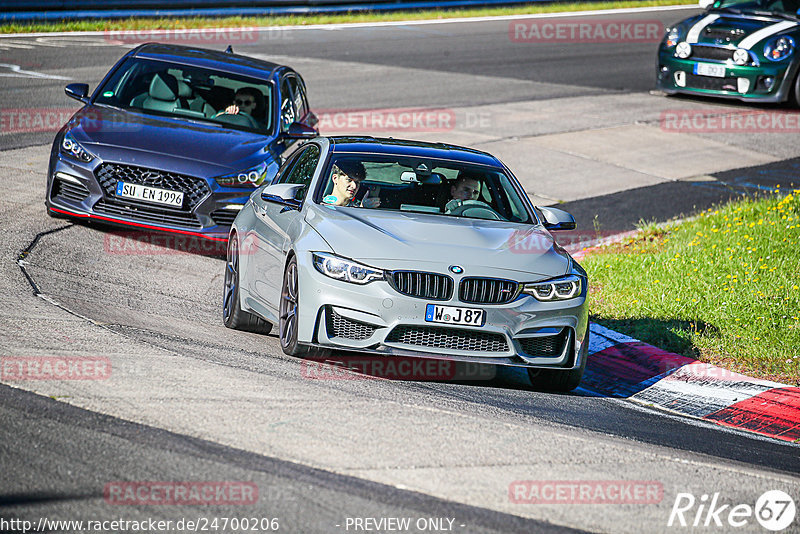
point(235, 22)
point(723, 287)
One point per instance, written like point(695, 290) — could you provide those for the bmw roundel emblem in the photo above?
point(456, 269)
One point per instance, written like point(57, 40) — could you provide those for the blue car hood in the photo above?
point(189, 146)
point(366, 234)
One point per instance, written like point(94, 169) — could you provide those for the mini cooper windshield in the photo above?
point(423, 186)
point(163, 88)
point(783, 7)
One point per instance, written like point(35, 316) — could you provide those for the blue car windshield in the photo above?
point(788, 7)
point(423, 185)
point(162, 88)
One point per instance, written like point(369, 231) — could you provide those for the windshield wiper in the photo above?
point(780, 14)
point(728, 9)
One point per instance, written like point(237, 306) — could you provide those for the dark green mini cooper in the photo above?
point(736, 49)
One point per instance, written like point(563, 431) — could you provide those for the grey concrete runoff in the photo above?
point(595, 143)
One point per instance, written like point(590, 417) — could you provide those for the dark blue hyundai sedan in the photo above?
point(175, 139)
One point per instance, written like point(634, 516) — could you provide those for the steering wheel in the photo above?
point(476, 209)
point(239, 119)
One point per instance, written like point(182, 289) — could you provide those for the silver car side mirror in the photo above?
point(283, 194)
point(556, 219)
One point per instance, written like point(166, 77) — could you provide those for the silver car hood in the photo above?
point(365, 234)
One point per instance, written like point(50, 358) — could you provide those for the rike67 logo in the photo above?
point(775, 510)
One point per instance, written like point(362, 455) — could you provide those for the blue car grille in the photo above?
point(438, 337)
point(487, 291)
point(194, 189)
point(146, 213)
point(71, 191)
point(422, 285)
point(548, 346)
point(224, 217)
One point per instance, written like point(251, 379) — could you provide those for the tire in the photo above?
point(233, 316)
point(287, 314)
point(560, 380)
point(794, 92)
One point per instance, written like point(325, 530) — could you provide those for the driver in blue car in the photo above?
point(347, 177)
point(244, 101)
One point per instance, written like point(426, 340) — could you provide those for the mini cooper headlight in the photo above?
point(741, 56)
point(248, 178)
point(779, 48)
point(683, 50)
point(344, 269)
point(70, 147)
point(563, 288)
point(672, 36)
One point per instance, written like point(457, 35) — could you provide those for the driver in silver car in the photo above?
point(467, 187)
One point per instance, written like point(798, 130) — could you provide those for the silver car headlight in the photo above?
point(779, 48)
point(683, 50)
point(70, 147)
point(346, 270)
point(562, 288)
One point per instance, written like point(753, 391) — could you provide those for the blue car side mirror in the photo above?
point(78, 91)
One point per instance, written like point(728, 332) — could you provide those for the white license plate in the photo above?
point(150, 194)
point(709, 69)
point(453, 315)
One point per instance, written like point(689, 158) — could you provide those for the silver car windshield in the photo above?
point(411, 184)
point(162, 88)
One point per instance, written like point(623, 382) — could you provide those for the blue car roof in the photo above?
point(210, 59)
point(405, 147)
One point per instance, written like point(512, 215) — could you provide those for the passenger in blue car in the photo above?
point(347, 177)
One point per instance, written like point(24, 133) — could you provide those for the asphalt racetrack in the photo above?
point(189, 401)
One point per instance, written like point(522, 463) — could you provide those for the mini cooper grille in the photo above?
point(714, 53)
point(224, 217)
point(448, 338)
point(423, 285)
point(707, 82)
point(487, 291)
point(147, 214)
point(69, 190)
point(339, 326)
point(544, 345)
point(194, 189)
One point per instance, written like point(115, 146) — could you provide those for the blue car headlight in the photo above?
point(70, 147)
point(779, 48)
point(562, 288)
point(346, 270)
point(252, 177)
